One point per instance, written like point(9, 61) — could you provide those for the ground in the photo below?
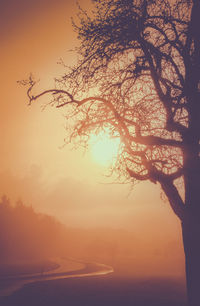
point(107, 290)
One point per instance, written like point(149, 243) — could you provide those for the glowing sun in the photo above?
point(104, 149)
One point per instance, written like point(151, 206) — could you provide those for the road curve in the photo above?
point(10, 284)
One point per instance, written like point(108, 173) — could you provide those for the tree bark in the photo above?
point(191, 242)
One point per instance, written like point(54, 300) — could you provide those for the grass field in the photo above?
point(29, 267)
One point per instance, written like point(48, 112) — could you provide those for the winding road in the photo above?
point(10, 284)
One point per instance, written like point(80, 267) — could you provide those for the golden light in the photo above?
point(104, 149)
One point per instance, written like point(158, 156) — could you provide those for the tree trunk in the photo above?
point(191, 241)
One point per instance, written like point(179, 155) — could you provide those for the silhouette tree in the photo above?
point(138, 78)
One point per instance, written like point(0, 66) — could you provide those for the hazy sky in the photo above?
point(34, 167)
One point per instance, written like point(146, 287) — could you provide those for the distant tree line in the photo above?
point(27, 235)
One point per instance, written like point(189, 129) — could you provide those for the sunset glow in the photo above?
point(104, 149)
point(67, 205)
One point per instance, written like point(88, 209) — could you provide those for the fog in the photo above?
point(75, 210)
point(145, 249)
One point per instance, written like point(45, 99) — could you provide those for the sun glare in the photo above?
point(104, 149)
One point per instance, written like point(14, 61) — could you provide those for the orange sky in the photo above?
point(65, 183)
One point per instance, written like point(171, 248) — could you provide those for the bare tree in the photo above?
point(138, 77)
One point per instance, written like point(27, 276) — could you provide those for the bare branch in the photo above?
point(175, 200)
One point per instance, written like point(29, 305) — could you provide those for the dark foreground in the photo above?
point(107, 290)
